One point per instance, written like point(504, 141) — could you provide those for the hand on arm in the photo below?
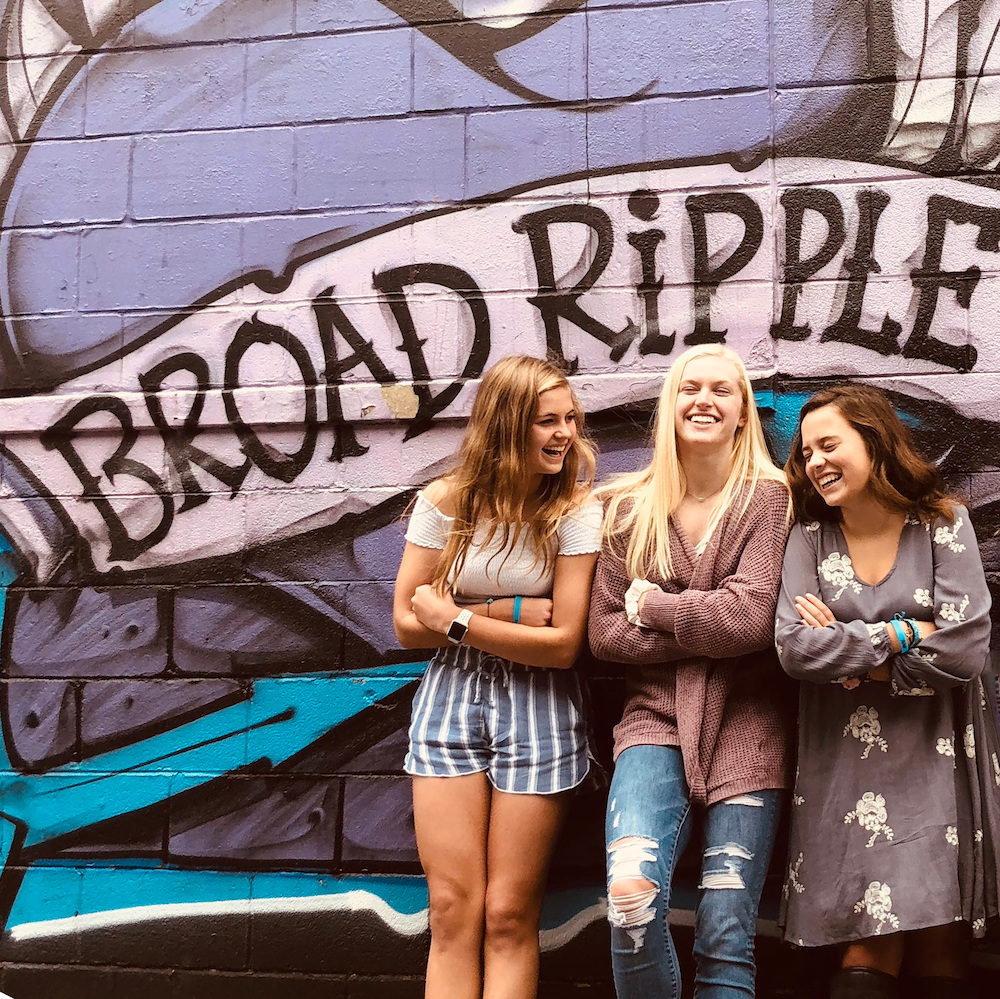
point(552, 643)
point(737, 615)
point(812, 644)
point(612, 636)
point(536, 612)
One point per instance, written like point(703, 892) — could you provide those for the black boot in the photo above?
point(939, 987)
point(863, 983)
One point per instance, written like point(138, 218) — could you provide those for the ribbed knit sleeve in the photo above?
point(579, 532)
point(736, 616)
point(428, 526)
point(612, 636)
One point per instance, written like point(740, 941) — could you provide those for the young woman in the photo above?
point(496, 575)
point(684, 594)
point(884, 611)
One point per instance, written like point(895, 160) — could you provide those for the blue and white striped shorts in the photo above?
point(525, 726)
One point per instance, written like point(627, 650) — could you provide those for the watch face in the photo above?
point(456, 631)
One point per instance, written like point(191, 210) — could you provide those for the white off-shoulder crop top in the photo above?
point(499, 570)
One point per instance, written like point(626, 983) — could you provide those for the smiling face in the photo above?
point(710, 405)
point(837, 462)
point(552, 432)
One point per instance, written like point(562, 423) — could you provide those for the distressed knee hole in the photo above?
point(630, 893)
point(752, 800)
point(729, 875)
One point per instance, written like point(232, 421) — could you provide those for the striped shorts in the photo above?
point(524, 726)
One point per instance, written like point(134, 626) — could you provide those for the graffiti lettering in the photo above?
point(329, 317)
point(273, 463)
point(861, 263)
point(179, 442)
point(392, 283)
point(707, 278)
point(644, 205)
point(554, 302)
point(123, 547)
point(797, 201)
point(930, 278)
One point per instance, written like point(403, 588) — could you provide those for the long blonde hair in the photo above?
point(640, 504)
point(488, 481)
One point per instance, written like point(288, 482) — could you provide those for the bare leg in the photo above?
point(881, 953)
point(523, 831)
point(451, 816)
point(939, 951)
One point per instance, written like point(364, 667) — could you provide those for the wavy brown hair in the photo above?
point(489, 483)
point(901, 479)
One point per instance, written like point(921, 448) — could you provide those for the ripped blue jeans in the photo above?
point(648, 825)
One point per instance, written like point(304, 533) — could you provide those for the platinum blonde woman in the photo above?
point(685, 595)
point(496, 575)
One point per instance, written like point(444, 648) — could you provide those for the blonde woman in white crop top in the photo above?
point(496, 576)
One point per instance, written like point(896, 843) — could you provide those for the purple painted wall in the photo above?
point(256, 254)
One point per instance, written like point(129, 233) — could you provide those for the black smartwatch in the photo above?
point(458, 627)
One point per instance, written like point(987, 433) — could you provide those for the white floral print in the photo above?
point(836, 569)
point(876, 632)
point(813, 525)
point(865, 726)
point(792, 882)
point(970, 742)
point(950, 613)
point(979, 835)
point(849, 682)
point(923, 597)
point(797, 799)
point(921, 690)
point(978, 925)
point(948, 536)
point(951, 835)
point(946, 747)
point(996, 769)
point(878, 904)
point(871, 814)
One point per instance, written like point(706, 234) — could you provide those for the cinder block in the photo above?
point(58, 186)
point(355, 75)
point(521, 146)
point(678, 49)
point(165, 90)
point(549, 65)
point(404, 161)
point(154, 265)
point(243, 172)
point(649, 131)
point(43, 270)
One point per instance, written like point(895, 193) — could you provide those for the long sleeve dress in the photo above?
point(896, 808)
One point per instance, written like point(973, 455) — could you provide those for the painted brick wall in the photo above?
point(256, 254)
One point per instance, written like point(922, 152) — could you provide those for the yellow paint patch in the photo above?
point(402, 400)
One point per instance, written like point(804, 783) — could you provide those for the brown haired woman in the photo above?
point(496, 575)
point(884, 612)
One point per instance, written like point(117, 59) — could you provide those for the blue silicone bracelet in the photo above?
point(904, 645)
point(517, 610)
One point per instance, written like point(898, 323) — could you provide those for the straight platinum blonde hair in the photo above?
point(640, 504)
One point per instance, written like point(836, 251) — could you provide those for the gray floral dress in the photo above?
point(896, 808)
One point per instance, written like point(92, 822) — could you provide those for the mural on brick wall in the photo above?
point(256, 254)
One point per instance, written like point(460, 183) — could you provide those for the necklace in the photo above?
point(703, 499)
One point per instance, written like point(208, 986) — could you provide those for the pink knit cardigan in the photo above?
point(704, 675)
